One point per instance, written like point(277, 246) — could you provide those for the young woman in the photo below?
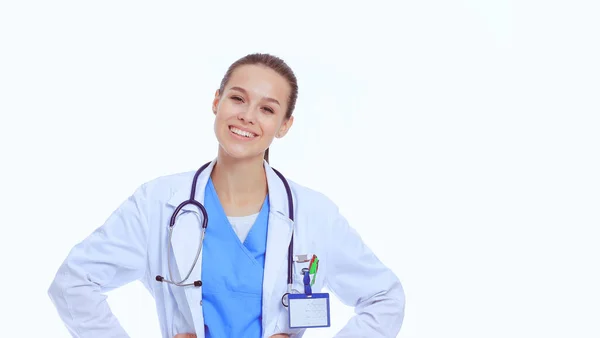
point(233, 249)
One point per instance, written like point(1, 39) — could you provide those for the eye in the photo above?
point(269, 109)
point(237, 98)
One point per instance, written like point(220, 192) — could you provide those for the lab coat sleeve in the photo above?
point(112, 256)
point(359, 279)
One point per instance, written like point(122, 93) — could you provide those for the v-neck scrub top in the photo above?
point(232, 272)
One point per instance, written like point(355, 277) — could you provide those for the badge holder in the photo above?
point(308, 310)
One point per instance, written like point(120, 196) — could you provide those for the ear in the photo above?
point(216, 101)
point(285, 127)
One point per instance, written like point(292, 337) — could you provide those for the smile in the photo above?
point(242, 132)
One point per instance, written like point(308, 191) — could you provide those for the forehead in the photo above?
point(260, 81)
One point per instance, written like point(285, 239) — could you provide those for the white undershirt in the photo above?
point(242, 225)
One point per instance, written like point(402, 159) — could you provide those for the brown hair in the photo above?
point(276, 64)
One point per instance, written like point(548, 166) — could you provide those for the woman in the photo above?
point(238, 285)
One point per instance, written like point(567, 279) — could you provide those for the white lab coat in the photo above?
point(133, 243)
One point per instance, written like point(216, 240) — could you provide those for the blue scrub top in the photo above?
point(232, 272)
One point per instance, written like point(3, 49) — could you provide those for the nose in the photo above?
point(247, 115)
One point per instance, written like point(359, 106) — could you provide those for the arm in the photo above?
point(357, 277)
point(112, 256)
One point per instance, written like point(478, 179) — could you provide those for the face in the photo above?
point(250, 112)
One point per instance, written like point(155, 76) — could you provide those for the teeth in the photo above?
point(241, 132)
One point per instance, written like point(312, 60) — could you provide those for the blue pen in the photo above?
point(307, 288)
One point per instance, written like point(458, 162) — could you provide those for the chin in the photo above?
point(242, 150)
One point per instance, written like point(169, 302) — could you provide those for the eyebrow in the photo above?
point(239, 89)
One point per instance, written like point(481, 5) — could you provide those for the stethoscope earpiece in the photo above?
point(197, 283)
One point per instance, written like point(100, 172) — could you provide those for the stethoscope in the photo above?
point(192, 200)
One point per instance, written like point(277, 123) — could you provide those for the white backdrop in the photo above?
point(460, 138)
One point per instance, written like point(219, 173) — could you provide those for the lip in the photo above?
point(240, 137)
point(243, 129)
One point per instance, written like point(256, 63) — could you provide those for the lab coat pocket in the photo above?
point(299, 268)
point(298, 272)
point(298, 276)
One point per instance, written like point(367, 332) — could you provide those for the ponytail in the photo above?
point(267, 155)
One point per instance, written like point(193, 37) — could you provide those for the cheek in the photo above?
point(272, 127)
point(226, 112)
point(222, 120)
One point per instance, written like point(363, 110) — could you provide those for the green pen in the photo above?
point(313, 268)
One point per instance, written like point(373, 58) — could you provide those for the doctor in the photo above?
point(267, 250)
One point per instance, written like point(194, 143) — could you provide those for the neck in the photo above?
point(239, 182)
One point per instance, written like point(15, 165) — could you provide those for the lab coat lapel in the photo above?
point(278, 238)
point(185, 241)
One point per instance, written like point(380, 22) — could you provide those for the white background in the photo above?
point(459, 137)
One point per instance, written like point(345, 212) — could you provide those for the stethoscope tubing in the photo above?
point(192, 200)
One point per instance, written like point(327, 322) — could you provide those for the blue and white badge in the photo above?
point(308, 311)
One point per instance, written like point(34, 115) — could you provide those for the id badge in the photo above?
point(308, 311)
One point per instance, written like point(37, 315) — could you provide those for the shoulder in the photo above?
point(311, 200)
point(171, 179)
point(164, 186)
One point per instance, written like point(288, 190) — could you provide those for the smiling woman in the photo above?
point(234, 230)
point(255, 77)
